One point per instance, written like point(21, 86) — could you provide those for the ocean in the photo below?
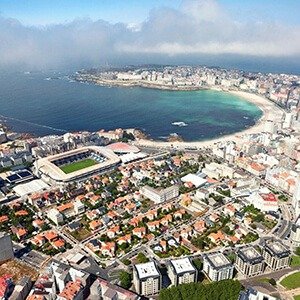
point(45, 103)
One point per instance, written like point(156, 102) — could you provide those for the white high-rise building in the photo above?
point(270, 127)
point(182, 271)
point(217, 266)
point(147, 279)
point(288, 119)
point(249, 261)
point(295, 234)
point(276, 255)
point(296, 198)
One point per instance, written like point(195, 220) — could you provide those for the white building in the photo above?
point(252, 294)
point(263, 202)
point(276, 255)
point(79, 207)
point(249, 261)
point(217, 266)
point(6, 247)
point(197, 181)
point(270, 127)
point(160, 195)
point(182, 271)
point(296, 198)
point(295, 234)
point(55, 216)
point(147, 279)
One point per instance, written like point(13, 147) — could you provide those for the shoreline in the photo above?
point(270, 111)
point(144, 84)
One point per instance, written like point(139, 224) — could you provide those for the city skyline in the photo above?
point(94, 33)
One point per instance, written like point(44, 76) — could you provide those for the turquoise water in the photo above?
point(33, 104)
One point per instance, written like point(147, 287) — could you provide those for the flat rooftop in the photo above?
point(250, 254)
point(146, 270)
point(31, 187)
point(182, 265)
point(218, 260)
point(276, 248)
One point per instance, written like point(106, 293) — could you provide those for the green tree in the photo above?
point(126, 261)
point(198, 264)
point(125, 279)
point(141, 258)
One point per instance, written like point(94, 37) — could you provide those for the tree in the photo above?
point(198, 264)
point(222, 290)
point(141, 258)
point(125, 279)
point(126, 261)
point(272, 281)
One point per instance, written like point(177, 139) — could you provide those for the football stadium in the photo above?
point(76, 164)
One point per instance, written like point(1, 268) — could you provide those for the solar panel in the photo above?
point(13, 177)
point(24, 174)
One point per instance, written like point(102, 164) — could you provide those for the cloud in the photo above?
point(200, 27)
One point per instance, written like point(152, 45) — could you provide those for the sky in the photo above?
point(62, 33)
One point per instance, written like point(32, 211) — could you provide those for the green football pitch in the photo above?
point(78, 165)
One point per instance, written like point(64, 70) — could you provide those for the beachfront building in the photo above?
point(217, 266)
point(182, 271)
point(147, 279)
point(276, 255)
point(160, 195)
point(249, 261)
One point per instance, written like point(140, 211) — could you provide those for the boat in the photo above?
point(180, 124)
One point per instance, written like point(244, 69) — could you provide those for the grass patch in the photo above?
point(267, 280)
point(297, 297)
point(292, 281)
point(81, 234)
point(78, 165)
point(295, 261)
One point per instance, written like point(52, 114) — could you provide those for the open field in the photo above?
point(17, 270)
point(295, 261)
point(292, 281)
point(81, 234)
point(78, 165)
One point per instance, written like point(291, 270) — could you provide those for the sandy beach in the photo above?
point(270, 112)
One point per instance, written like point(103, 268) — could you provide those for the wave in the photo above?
point(33, 124)
point(180, 124)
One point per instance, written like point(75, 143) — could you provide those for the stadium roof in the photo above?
point(50, 170)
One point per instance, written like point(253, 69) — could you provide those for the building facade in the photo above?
point(182, 271)
point(295, 234)
point(147, 279)
point(6, 247)
point(276, 255)
point(217, 266)
point(160, 195)
point(249, 261)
